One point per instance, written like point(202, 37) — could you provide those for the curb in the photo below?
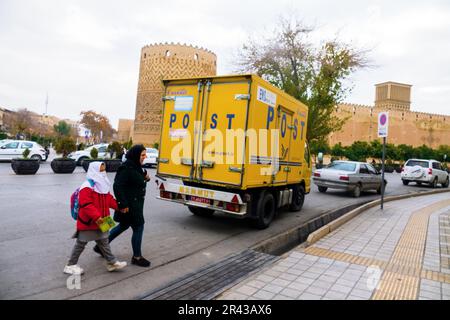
point(328, 228)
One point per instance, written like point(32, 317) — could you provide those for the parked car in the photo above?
point(348, 175)
point(85, 154)
point(5, 141)
point(14, 149)
point(152, 155)
point(425, 171)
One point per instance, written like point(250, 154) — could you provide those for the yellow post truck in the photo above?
point(236, 144)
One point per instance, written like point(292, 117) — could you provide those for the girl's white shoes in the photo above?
point(74, 269)
point(77, 270)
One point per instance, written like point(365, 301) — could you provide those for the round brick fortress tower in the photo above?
point(158, 62)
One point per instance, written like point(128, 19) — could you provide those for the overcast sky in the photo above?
point(85, 54)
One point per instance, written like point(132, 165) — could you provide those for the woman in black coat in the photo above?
point(129, 188)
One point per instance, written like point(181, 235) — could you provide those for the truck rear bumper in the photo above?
point(226, 202)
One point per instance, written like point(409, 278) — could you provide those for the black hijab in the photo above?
point(134, 154)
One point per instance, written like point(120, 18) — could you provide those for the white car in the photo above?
point(5, 141)
point(425, 171)
point(81, 155)
point(15, 148)
point(152, 156)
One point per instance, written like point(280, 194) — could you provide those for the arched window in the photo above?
point(196, 57)
point(168, 53)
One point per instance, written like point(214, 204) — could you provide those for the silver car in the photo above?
point(350, 176)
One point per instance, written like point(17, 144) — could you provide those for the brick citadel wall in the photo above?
point(405, 127)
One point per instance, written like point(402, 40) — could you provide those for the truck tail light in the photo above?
point(430, 171)
point(235, 199)
point(344, 178)
point(166, 195)
point(232, 207)
point(161, 187)
point(316, 174)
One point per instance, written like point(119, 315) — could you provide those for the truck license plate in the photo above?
point(201, 200)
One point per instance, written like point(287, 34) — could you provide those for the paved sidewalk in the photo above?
point(402, 253)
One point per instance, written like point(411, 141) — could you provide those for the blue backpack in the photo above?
point(74, 201)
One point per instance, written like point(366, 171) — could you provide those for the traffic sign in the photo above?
point(383, 124)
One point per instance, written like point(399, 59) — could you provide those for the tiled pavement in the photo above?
point(400, 253)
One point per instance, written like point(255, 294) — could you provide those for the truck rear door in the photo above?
point(221, 155)
point(180, 112)
point(284, 126)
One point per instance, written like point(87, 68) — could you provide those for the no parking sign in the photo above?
point(383, 124)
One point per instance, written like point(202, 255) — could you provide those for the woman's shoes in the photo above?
point(141, 262)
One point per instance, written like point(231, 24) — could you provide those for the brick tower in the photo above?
point(158, 62)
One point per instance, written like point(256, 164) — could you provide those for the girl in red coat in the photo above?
point(94, 204)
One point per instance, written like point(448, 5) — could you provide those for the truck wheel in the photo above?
point(323, 189)
point(201, 212)
point(298, 198)
point(447, 182)
point(405, 182)
point(265, 209)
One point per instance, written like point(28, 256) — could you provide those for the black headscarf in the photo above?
point(134, 154)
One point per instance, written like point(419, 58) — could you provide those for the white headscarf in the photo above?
point(101, 182)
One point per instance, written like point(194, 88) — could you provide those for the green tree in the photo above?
point(65, 146)
point(317, 76)
point(377, 149)
point(405, 152)
point(359, 151)
point(443, 153)
point(424, 152)
point(338, 150)
point(129, 144)
point(116, 149)
point(63, 129)
point(317, 146)
point(94, 153)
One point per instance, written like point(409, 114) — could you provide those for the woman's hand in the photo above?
point(125, 210)
point(99, 221)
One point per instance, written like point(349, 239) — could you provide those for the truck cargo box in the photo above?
point(219, 130)
point(232, 134)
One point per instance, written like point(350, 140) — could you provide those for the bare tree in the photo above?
point(317, 76)
point(98, 124)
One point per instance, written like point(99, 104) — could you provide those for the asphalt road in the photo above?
point(36, 225)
